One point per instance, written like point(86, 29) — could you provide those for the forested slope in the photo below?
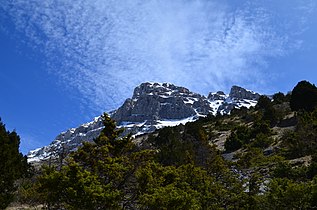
point(259, 158)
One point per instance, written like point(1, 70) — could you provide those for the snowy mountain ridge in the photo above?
point(152, 106)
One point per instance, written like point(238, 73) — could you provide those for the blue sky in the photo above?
point(64, 62)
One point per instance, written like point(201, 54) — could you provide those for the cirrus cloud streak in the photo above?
point(103, 49)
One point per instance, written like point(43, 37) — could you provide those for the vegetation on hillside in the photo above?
point(261, 158)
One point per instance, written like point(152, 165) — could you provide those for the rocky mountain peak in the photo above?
point(219, 95)
point(159, 101)
point(161, 89)
point(152, 106)
point(240, 93)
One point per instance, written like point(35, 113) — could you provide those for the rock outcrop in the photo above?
point(154, 101)
point(239, 93)
point(220, 95)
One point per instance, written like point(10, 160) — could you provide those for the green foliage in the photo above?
point(172, 148)
point(258, 135)
point(304, 97)
point(224, 126)
point(184, 187)
point(114, 174)
point(196, 130)
point(238, 137)
point(27, 192)
point(262, 141)
point(312, 168)
point(12, 165)
point(255, 158)
point(182, 144)
point(181, 169)
point(302, 141)
point(279, 98)
point(96, 176)
point(285, 170)
point(76, 188)
point(164, 188)
point(252, 158)
point(285, 194)
point(265, 105)
point(295, 171)
point(239, 111)
point(260, 127)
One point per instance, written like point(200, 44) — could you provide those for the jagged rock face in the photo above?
point(241, 93)
point(154, 101)
point(68, 141)
point(152, 106)
point(164, 89)
point(220, 95)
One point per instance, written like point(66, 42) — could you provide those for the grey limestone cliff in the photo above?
point(154, 101)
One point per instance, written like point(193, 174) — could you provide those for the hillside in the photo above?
point(263, 157)
point(152, 106)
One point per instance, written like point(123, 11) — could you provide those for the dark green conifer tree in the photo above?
point(304, 96)
point(12, 164)
point(96, 176)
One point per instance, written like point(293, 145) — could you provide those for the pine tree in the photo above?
point(96, 176)
point(304, 96)
point(12, 164)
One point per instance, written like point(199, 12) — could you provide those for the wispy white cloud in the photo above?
point(103, 49)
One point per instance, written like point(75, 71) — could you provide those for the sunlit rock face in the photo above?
point(154, 101)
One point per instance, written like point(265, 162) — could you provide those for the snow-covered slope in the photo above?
point(68, 140)
point(152, 106)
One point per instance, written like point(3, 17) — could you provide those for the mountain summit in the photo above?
point(152, 106)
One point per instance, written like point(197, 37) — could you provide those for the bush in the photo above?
point(262, 141)
point(304, 96)
point(239, 136)
point(268, 112)
point(279, 98)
